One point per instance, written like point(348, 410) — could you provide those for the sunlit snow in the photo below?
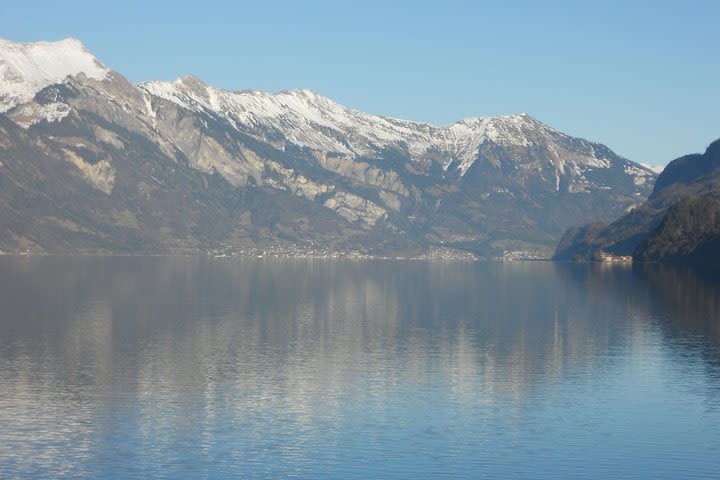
point(27, 68)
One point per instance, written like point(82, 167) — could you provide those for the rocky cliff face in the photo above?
point(181, 165)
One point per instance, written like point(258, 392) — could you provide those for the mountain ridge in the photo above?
point(483, 184)
point(461, 138)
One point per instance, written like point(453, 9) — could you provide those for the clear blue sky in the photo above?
point(642, 77)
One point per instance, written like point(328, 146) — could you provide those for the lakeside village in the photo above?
point(303, 252)
point(316, 252)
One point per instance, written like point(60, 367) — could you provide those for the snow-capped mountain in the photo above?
point(27, 68)
point(305, 168)
point(310, 120)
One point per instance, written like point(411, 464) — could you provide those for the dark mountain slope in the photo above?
point(689, 234)
point(687, 177)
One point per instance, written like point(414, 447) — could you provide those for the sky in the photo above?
point(642, 77)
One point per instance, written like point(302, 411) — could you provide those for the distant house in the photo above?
point(605, 257)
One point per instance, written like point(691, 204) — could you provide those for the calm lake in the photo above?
point(259, 368)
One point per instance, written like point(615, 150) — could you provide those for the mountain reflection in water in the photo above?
point(243, 367)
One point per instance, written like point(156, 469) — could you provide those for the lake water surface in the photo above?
point(203, 368)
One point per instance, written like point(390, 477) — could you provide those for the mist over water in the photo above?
point(177, 367)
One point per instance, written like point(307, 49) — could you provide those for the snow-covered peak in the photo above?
point(311, 120)
point(655, 168)
point(515, 129)
point(303, 116)
point(307, 119)
point(27, 68)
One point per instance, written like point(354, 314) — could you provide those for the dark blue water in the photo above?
point(201, 368)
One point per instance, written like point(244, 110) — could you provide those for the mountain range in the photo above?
point(91, 162)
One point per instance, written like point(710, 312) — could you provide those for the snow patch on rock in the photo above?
point(32, 113)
